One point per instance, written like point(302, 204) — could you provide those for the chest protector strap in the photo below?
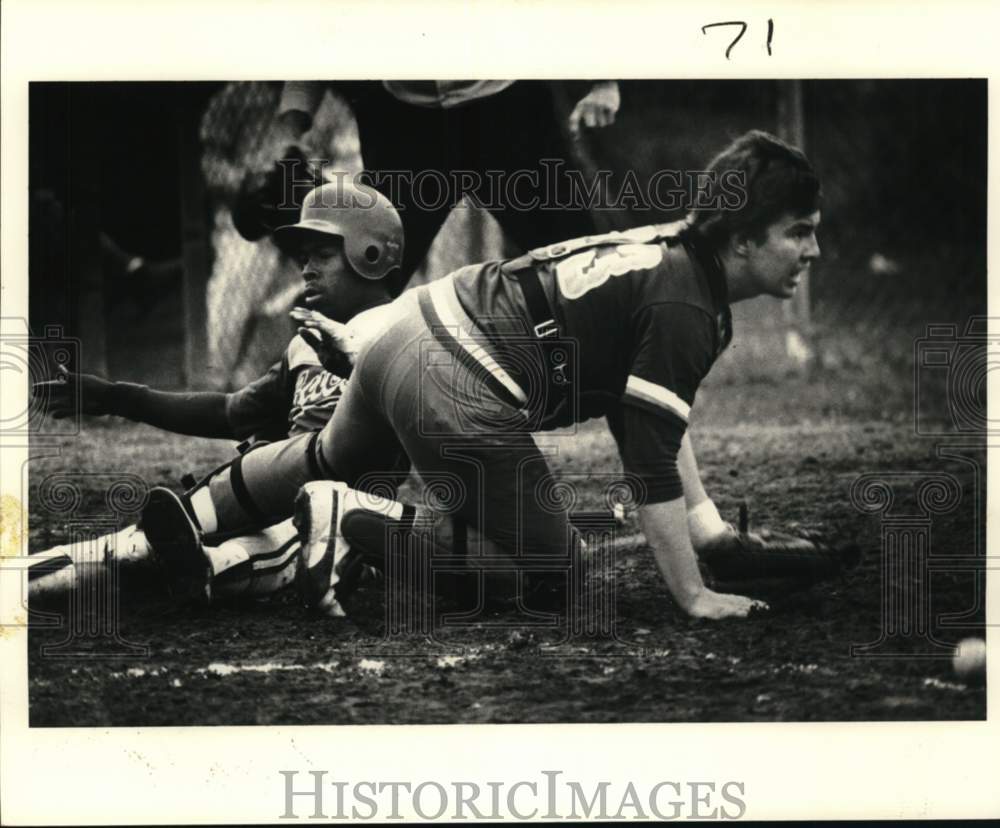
point(651, 233)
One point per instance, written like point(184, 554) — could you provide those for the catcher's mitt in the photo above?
point(743, 555)
point(273, 198)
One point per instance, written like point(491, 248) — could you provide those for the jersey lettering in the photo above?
point(581, 273)
point(315, 391)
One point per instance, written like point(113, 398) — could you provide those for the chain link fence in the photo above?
point(903, 239)
point(253, 285)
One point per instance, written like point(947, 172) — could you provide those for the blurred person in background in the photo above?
point(466, 128)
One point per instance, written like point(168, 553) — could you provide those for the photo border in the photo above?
point(165, 775)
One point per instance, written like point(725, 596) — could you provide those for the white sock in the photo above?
point(226, 555)
point(271, 552)
point(89, 555)
point(705, 523)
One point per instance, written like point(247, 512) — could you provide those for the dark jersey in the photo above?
point(644, 315)
point(295, 396)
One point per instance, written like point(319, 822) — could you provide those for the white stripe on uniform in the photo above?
point(462, 329)
point(641, 389)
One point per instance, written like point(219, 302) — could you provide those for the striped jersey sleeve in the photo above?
point(655, 398)
point(673, 350)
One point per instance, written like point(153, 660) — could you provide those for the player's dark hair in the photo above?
point(757, 179)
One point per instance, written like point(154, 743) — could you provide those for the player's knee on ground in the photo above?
point(497, 574)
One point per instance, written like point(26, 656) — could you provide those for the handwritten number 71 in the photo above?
point(743, 28)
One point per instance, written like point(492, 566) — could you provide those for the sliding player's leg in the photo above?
point(260, 488)
point(62, 567)
point(251, 565)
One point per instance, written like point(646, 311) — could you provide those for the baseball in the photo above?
point(970, 659)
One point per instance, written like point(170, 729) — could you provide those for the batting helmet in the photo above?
point(360, 215)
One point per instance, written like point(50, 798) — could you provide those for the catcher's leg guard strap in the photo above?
point(262, 490)
point(198, 496)
point(318, 466)
point(241, 493)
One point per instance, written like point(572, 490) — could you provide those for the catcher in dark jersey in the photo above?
point(624, 325)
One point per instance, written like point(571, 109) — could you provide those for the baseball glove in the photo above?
point(273, 198)
point(743, 555)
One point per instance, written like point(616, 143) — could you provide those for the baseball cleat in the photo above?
point(326, 570)
point(176, 543)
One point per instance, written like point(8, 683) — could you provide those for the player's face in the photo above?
point(779, 262)
point(330, 283)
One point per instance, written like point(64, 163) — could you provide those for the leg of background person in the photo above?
point(417, 146)
point(512, 131)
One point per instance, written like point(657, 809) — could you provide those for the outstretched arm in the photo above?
point(196, 413)
point(675, 350)
point(665, 523)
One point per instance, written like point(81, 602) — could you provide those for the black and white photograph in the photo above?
point(642, 399)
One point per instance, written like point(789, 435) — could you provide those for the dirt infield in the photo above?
point(266, 663)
